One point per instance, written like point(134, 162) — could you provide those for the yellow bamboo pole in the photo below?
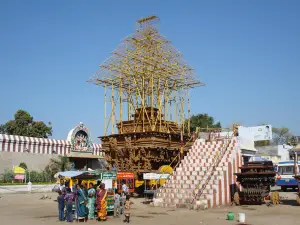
point(143, 102)
point(176, 106)
point(105, 110)
point(112, 108)
point(152, 102)
point(182, 110)
point(189, 113)
point(166, 106)
point(136, 105)
point(159, 103)
point(121, 107)
point(128, 103)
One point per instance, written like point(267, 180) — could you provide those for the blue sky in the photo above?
point(247, 53)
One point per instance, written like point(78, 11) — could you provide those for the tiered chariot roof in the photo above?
point(149, 55)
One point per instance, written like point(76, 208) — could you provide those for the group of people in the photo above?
point(90, 203)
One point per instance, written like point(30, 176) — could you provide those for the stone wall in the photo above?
point(33, 161)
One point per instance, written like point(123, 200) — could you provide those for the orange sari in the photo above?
point(102, 204)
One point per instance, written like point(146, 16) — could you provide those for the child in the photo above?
point(122, 203)
point(117, 205)
point(69, 202)
point(127, 209)
point(61, 206)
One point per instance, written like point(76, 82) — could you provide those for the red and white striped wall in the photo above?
point(192, 172)
point(14, 143)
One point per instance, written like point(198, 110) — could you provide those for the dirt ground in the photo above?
point(28, 209)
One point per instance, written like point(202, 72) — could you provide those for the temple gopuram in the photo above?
point(81, 153)
point(146, 86)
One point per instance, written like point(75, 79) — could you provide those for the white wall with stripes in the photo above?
point(14, 143)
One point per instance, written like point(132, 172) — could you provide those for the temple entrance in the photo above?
point(82, 154)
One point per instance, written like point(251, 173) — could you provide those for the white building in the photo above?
point(274, 153)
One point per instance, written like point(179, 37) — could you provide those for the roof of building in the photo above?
point(267, 150)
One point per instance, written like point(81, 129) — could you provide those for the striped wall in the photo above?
point(14, 143)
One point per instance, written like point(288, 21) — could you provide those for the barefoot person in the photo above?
point(127, 209)
point(69, 205)
point(101, 203)
point(91, 201)
point(81, 201)
point(117, 205)
point(61, 206)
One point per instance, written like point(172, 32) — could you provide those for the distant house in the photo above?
point(294, 150)
point(274, 153)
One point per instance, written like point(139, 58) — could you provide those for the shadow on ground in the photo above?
point(289, 202)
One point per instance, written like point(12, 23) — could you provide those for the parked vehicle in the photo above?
point(285, 175)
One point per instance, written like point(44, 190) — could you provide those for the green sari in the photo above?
point(91, 203)
point(81, 204)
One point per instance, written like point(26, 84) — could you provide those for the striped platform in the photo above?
point(193, 171)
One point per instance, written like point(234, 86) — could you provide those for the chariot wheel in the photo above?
point(275, 198)
point(298, 199)
point(236, 198)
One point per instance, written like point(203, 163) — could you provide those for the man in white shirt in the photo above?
point(124, 189)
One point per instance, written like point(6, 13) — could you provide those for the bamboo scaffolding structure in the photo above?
point(150, 78)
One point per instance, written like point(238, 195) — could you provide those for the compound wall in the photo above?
point(35, 152)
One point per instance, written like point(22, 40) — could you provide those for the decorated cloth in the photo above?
point(102, 204)
point(81, 202)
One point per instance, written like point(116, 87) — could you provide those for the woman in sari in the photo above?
point(69, 203)
point(91, 202)
point(81, 201)
point(101, 203)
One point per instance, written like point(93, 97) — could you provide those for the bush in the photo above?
point(39, 177)
point(35, 177)
point(7, 176)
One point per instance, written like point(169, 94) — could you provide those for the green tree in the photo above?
point(23, 165)
point(293, 141)
point(281, 135)
point(61, 163)
point(2, 129)
point(24, 125)
point(202, 121)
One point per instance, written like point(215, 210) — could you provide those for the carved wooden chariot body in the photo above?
point(135, 149)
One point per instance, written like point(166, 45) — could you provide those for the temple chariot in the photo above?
point(146, 101)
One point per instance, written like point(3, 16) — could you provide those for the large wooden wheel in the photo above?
point(275, 198)
point(236, 198)
point(298, 199)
